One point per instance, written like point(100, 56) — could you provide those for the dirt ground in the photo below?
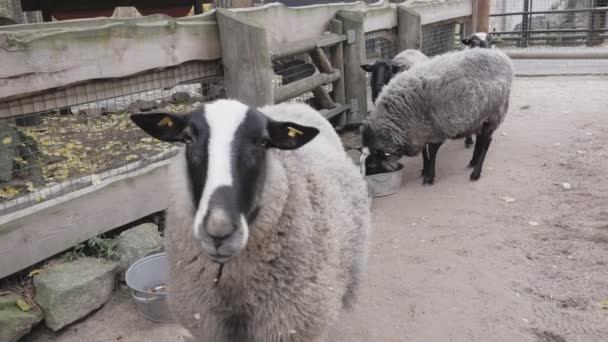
point(512, 257)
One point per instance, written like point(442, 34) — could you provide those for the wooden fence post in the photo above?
point(247, 65)
point(409, 29)
point(480, 16)
point(354, 56)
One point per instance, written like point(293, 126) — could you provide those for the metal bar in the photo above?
point(591, 25)
point(524, 24)
point(304, 85)
point(598, 9)
point(557, 54)
point(550, 31)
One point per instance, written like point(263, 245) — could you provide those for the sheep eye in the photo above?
point(263, 142)
point(386, 154)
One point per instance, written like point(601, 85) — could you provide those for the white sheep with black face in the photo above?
point(268, 222)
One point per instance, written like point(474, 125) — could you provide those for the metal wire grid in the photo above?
point(438, 38)
point(294, 68)
point(575, 25)
point(48, 153)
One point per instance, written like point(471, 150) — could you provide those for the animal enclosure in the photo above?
point(72, 165)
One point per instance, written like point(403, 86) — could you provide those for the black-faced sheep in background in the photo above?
point(449, 97)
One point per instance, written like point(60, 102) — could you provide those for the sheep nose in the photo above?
point(220, 226)
point(218, 240)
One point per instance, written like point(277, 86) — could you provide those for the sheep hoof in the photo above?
point(428, 181)
point(422, 173)
point(475, 176)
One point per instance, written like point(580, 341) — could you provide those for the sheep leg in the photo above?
point(425, 160)
point(476, 151)
point(486, 138)
point(429, 176)
point(468, 141)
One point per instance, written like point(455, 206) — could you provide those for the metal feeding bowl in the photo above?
point(147, 278)
point(382, 184)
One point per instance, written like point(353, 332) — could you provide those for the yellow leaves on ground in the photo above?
point(23, 305)
point(7, 140)
point(9, 192)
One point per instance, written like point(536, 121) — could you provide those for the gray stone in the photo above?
point(69, 291)
point(180, 97)
point(136, 243)
point(93, 110)
point(352, 140)
point(14, 322)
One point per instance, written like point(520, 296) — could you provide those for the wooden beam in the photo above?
point(41, 231)
point(38, 57)
point(330, 113)
point(302, 86)
point(323, 99)
point(483, 15)
point(337, 61)
point(321, 61)
point(354, 57)
point(409, 29)
point(303, 46)
point(247, 65)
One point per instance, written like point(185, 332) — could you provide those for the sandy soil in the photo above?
point(457, 261)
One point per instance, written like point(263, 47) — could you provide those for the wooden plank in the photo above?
point(41, 231)
point(433, 12)
point(38, 57)
point(287, 24)
point(409, 29)
point(302, 46)
point(323, 98)
point(337, 61)
point(247, 65)
point(483, 15)
point(302, 86)
point(354, 57)
point(330, 113)
point(321, 61)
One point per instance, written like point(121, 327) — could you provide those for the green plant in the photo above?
point(98, 247)
point(75, 253)
point(103, 248)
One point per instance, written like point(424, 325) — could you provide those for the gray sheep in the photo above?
point(267, 225)
point(382, 71)
point(449, 97)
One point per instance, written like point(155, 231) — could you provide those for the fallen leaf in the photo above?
point(566, 186)
point(533, 223)
point(508, 199)
point(34, 272)
point(604, 304)
point(23, 305)
point(30, 187)
point(7, 140)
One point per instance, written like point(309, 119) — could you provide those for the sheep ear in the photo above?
point(165, 126)
point(466, 41)
point(289, 135)
point(367, 67)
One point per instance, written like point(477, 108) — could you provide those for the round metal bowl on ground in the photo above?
point(387, 183)
point(147, 278)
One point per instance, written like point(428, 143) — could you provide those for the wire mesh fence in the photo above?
point(438, 38)
point(49, 153)
point(553, 26)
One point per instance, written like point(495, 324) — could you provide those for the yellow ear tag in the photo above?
point(293, 132)
point(166, 121)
